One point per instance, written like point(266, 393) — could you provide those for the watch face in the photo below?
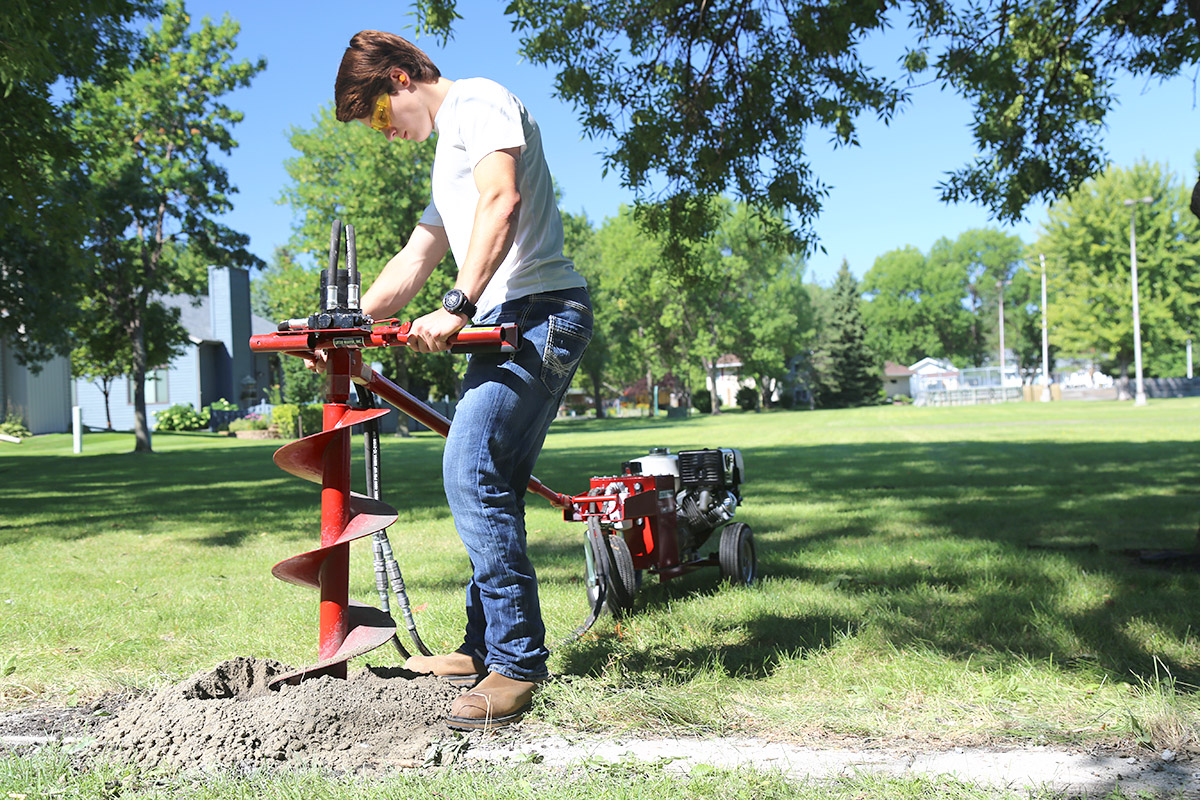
point(453, 301)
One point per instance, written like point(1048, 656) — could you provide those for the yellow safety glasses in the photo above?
point(381, 117)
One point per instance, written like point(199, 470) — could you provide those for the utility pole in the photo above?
point(1045, 338)
point(1140, 398)
point(1000, 286)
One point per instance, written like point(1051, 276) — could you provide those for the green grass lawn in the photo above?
point(952, 575)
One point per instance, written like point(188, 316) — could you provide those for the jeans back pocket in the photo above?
point(565, 343)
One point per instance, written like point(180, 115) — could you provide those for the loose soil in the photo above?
point(382, 719)
point(379, 718)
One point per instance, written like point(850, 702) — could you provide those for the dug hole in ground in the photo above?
point(386, 718)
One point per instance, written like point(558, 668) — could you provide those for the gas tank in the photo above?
point(659, 461)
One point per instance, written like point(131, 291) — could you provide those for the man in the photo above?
point(494, 208)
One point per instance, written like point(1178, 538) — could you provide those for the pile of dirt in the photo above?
point(229, 718)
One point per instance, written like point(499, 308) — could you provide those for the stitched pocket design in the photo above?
point(565, 343)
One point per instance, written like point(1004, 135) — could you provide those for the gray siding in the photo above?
point(183, 386)
point(217, 363)
point(229, 290)
point(43, 400)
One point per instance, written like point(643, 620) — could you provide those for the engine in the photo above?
point(706, 489)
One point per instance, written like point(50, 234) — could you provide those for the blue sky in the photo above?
point(883, 194)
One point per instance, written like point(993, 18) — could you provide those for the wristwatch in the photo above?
point(455, 301)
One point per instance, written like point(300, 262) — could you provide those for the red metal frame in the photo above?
point(648, 503)
point(345, 628)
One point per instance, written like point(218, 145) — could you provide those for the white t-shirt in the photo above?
point(478, 117)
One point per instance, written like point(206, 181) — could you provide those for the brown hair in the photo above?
point(366, 68)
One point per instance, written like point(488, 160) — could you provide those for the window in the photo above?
point(156, 387)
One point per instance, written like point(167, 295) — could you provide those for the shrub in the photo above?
point(286, 419)
point(220, 413)
point(13, 425)
point(310, 418)
point(180, 417)
point(902, 400)
point(747, 398)
point(702, 400)
point(250, 422)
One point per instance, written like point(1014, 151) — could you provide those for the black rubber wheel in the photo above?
point(623, 579)
point(739, 562)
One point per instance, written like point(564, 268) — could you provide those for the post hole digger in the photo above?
point(655, 516)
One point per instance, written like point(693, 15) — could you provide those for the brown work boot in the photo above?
point(497, 701)
point(460, 669)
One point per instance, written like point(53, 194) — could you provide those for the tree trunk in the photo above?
point(106, 390)
point(766, 389)
point(650, 390)
point(597, 395)
point(141, 430)
point(714, 399)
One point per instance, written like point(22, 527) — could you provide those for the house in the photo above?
point(897, 380)
point(42, 399)
point(729, 379)
point(216, 363)
point(930, 374)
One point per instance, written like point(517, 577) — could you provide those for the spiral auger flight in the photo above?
point(339, 333)
point(347, 628)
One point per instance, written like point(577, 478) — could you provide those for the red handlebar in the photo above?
point(502, 338)
point(469, 340)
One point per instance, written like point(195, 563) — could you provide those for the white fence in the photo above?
point(967, 387)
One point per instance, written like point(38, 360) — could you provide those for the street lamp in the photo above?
point(1045, 338)
point(1000, 287)
point(1140, 398)
point(1189, 356)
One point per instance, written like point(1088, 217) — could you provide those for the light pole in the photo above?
point(1045, 338)
point(1000, 287)
point(1140, 398)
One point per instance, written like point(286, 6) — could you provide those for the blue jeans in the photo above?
point(500, 423)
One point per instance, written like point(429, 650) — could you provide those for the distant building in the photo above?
point(42, 400)
point(216, 363)
point(897, 379)
point(931, 374)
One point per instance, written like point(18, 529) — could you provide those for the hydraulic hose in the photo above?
point(387, 570)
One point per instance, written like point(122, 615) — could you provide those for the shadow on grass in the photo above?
point(979, 550)
point(761, 643)
point(930, 542)
point(223, 484)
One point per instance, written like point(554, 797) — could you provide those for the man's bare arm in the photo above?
point(492, 235)
point(404, 275)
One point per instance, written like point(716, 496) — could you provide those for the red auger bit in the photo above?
point(348, 628)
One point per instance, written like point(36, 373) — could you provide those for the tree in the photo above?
point(349, 172)
point(701, 99)
point(940, 305)
point(46, 49)
point(286, 290)
point(847, 372)
point(154, 188)
point(578, 245)
point(723, 303)
point(627, 281)
point(914, 307)
point(101, 349)
point(1023, 303)
point(985, 260)
point(767, 316)
point(1086, 244)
